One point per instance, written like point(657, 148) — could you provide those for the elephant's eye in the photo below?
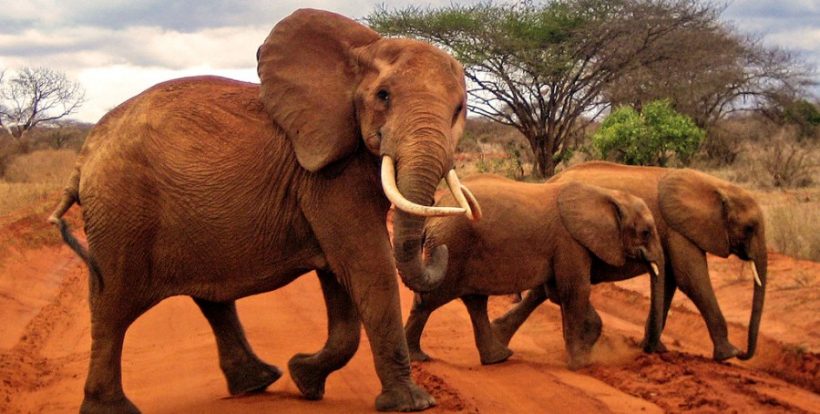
point(383, 95)
point(457, 112)
point(749, 229)
point(646, 234)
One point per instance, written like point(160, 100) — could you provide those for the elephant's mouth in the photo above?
point(643, 255)
point(467, 202)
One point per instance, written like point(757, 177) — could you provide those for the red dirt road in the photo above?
point(170, 363)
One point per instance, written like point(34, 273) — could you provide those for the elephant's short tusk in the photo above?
point(457, 189)
point(754, 273)
point(655, 268)
point(394, 195)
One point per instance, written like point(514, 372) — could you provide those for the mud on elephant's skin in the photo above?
point(695, 213)
point(219, 189)
point(536, 235)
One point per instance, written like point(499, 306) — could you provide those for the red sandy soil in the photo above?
point(170, 363)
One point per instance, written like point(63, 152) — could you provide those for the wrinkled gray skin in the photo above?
point(695, 213)
point(218, 189)
point(535, 235)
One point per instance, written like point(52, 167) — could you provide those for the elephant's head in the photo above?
point(722, 219)
point(336, 87)
point(613, 225)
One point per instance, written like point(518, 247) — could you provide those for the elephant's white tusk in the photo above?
point(394, 195)
point(754, 273)
point(476, 209)
point(458, 194)
point(655, 268)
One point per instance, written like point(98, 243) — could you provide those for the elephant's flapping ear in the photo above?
point(693, 204)
point(592, 217)
point(309, 76)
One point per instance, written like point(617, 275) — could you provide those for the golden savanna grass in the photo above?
point(34, 180)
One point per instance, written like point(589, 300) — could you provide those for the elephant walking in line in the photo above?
point(219, 189)
point(534, 235)
point(695, 213)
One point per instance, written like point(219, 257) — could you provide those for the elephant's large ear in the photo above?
point(693, 205)
point(309, 76)
point(592, 217)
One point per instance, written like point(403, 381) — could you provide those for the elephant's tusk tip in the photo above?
point(754, 273)
point(655, 268)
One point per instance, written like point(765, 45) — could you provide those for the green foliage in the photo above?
point(805, 115)
point(650, 137)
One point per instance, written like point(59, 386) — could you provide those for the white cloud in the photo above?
point(108, 86)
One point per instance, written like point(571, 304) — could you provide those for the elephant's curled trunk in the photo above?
point(417, 181)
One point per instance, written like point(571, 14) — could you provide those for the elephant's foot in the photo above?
point(120, 406)
point(496, 354)
point(653, 348)
point(308, 375)
point(578, 361)
point(251, 378)
point(418, 355)
point(405, 397)
point(502, 330)
point(724, 352)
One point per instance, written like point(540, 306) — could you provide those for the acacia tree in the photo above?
point(36, 96)
point(542, 67)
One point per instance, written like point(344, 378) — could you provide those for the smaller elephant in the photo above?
point(538, 235)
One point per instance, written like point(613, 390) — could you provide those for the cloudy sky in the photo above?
point(117, 48)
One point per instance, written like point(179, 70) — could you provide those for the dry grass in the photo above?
point(793, 223)
point(33, 179)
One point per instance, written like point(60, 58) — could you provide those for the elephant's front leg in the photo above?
point(243, 370)
point(309, 371)
point(572, 279)
point(692, 277)
point(377, 299)
point(490, 349)
point(669, 288)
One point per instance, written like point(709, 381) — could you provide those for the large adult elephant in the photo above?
point(219, 189)
point(694, 213)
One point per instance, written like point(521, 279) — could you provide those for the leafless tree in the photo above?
point(36, 96)
point(711, 71)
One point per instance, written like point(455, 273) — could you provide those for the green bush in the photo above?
point(651, 137)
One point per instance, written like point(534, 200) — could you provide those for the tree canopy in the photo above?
point(550, 68)
point(650, 137)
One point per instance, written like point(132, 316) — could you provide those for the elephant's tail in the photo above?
point(71, 196)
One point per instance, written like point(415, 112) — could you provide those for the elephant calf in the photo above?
point(534, 235)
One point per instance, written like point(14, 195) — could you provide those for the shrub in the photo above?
point(788, 162)
point(651, 137)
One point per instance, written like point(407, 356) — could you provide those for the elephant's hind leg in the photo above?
point(505, 326)
point(243, 370)
point(490, 349)
point(112, 312)
point(309, 371)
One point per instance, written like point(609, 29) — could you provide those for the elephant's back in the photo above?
point(185, 105)
point(639, 181)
